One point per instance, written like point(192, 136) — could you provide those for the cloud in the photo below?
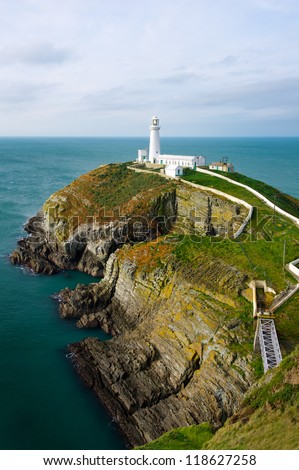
point(35, 54)
point(194, 59)
point(226, 61)
point(17, 95)
point(275, 5)
point(118, 98)
point(267, 100)
point(179, 78)
point(260, 95)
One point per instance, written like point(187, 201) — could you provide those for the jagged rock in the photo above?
point(72, 231)
point(169, 363)
point(206, 214)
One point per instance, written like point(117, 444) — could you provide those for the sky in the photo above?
point(105, 67)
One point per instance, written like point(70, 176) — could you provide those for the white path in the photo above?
point(211, 190)
point(253, 191)
point(265, 337)
point(291, 290)
point(292, 268)
point(230, 198)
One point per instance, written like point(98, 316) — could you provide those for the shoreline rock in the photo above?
point(167, 365)
point(170, 361)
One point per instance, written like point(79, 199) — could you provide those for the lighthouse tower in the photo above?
point(154, 145)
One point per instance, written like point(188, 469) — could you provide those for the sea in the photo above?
point(43, 403)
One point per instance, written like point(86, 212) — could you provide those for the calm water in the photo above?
point(43, 404)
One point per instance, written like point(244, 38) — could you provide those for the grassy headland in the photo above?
point(218, 270)
point(260, 249)
point(103, 195)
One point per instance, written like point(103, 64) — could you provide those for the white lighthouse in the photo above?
point(154, 155)
point(154, 144)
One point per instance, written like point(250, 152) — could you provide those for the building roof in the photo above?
point(220, 163)
point(172, 167)
point(180, 157)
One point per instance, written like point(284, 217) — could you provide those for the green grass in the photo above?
point(278, 391)
point(192, 437)
point(103, 195)
point(258, 367)
point(284, 201)
point(287, 324)
point(266, 429)
point(118, 185)
point(226, 187)
point(260, 253)
point(259, 259)
point(268, 418)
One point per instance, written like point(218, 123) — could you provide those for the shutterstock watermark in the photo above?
point(120, 229)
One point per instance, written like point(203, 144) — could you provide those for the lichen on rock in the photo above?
point(170, 362)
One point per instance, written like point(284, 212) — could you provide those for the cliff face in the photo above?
point(205, 213)
point(81, 225)
point(171, 361)
point(268, 407)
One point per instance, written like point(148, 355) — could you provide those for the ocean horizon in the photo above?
point(43, 404)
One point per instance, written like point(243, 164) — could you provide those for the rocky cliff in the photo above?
point(79, 226)
point(269, 407)
point(176, 355)
point(170, 362)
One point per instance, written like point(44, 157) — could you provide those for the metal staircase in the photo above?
point(267, 342)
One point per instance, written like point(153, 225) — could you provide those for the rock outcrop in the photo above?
point(207, 214)
point(80, 226)
point(171, 361)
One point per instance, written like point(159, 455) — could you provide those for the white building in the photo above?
point(183, 160)
point(142, 155)
point(155, 156)
point(222, 166)
point(173, 170)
